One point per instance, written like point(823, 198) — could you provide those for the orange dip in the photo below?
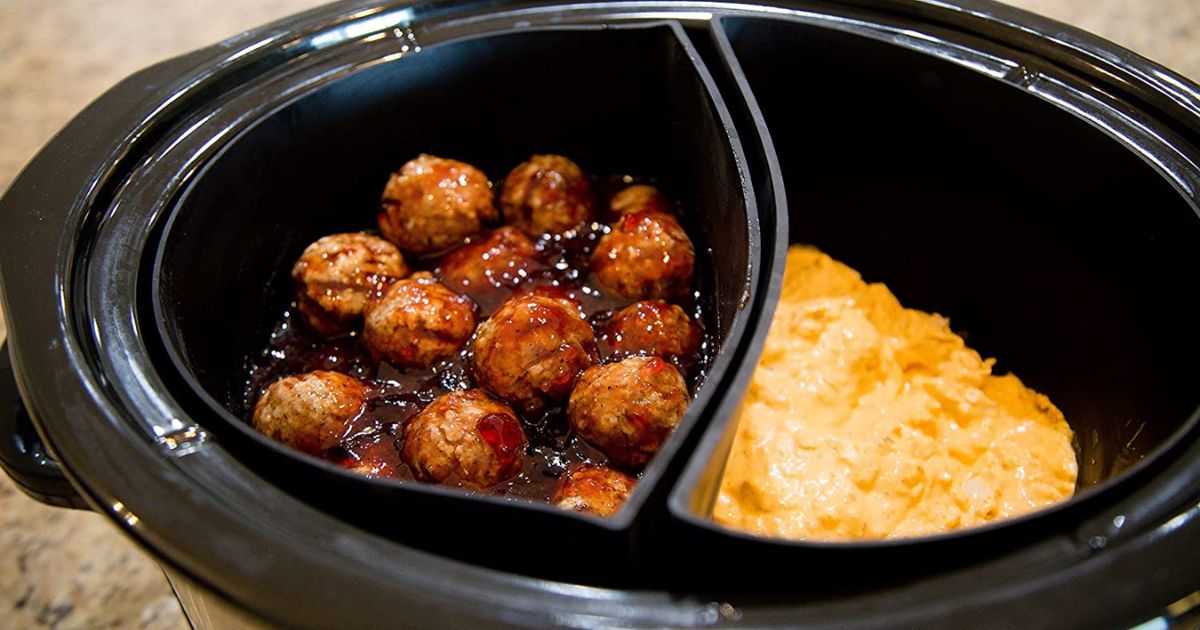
point(867, 420)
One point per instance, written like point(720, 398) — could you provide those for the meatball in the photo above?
point(464, 436)
point(628, 409)
point(336, 275)
point(531, 350)
point(598, 490)
point(547, 194)
point(310, 411)
point(431, 204)
point(639, 198)
point(646, 255)
point(652, 328)
point(417, 322)
point(502, 259)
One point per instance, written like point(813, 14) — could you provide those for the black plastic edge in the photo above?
point(23, 455)
point(1159, 88)
point(680, 499)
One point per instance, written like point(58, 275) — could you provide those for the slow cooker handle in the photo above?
point(23, 455)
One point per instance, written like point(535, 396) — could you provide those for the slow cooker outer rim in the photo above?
point(36, 345)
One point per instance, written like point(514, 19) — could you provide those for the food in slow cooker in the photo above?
point(639, 198)
point(531, 350)
point(336, 275)
point(650, 328)
point(598, 490)
point(548, 194)
point(503, 258)
point(463, 376)
point(431, 204)
point(571, 298)
point(466, 436)
point(868, 420)
point(310, 411)
point(416, 322)
point(627, 409)
point(369, 462)
point(647, 255)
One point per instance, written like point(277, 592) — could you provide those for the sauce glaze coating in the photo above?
point(417, 322)
point(531, 350)
point(502, 259)
point(431, 204)
point(467, 437)
point(337, 274)
point(598, 490)
point(627, 409)
point(310, 411)
point(650, 328)
point(548, 194)
point(395, 393)
point(647, 255)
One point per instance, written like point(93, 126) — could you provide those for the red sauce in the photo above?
point(655, 365)
point(372, 441)
point(503, 434)
point(630, 221)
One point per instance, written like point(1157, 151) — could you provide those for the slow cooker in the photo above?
point(1035, 183)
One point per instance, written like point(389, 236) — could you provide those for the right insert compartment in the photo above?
point(1047, 243)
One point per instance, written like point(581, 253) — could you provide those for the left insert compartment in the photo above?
point(628, 103)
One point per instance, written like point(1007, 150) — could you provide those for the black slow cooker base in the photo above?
point(925, 144)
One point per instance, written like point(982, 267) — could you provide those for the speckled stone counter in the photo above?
point(71, 569)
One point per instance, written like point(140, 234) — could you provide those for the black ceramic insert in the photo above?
point(628, 100)
point(1048, 244)
point(891, 122)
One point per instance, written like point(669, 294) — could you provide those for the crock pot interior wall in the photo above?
point(1048, 245)
point(614, 101)
point(617, 100)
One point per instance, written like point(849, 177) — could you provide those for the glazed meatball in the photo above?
point(310, 411)
point(503, 258)
point(336, 275)
point(628, 409)
point(652, 328)
point(639, 198)
point(531, 350)
point(647, 255)
point(547, 194)
point(598, 490)
point(417, 322)
point(464, 436)
point(431, 204)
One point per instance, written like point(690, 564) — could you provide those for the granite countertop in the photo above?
point(71, 569)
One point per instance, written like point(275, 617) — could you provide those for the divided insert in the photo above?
point(1048, 244)
point(628, 99)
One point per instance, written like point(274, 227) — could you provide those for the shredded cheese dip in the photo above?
point(867, 420)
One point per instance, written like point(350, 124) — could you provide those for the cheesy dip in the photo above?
point(868, 420)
